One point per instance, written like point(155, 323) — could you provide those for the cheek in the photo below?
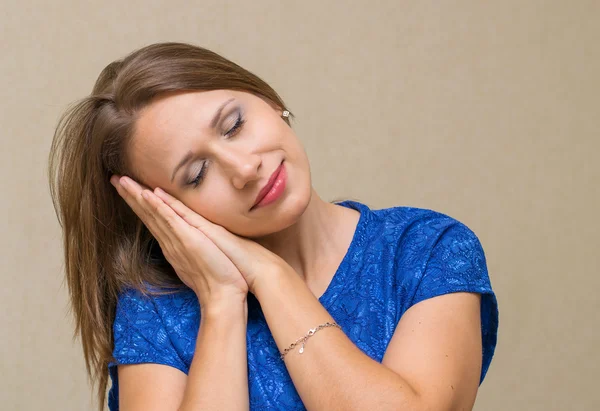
point(198, 206)
point(293, 147)
point(209, 207)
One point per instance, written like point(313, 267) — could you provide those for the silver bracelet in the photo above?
point(306, 337)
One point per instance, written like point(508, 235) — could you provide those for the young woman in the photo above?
point(205, 272)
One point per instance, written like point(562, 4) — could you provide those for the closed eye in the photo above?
point(238, 123)
point(231, 132)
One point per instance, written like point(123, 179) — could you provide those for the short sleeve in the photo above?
point(457, 263)
point(139, 337)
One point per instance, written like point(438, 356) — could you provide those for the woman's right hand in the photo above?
point(198, 262)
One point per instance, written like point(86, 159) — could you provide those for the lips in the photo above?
point(269, 185)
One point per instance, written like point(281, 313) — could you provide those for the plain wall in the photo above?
point(486, 111)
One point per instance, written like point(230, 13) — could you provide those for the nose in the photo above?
point(240, 166)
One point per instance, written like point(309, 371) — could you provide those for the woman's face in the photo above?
point(215, 150)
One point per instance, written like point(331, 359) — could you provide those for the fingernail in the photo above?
point(123, 181)
point(158, 190)
point(145, 194)
point(114, 180)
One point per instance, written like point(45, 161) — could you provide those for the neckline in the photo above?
point(338, 282)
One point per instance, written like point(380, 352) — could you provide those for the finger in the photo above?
point(190, 216)
point(131, 185)
point(164, 214)
point(234, 247)
point(181, 234)
point(131, 192)
point(230, 244)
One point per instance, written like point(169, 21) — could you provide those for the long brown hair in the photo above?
point(106, 247)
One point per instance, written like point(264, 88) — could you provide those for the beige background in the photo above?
point(486, 111)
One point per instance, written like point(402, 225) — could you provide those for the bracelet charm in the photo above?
point(310, 333)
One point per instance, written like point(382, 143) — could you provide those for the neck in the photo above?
point(308, 245)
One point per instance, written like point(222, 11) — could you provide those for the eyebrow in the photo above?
point(213, 124)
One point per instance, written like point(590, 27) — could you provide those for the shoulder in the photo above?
point(132, 300)
point(417, 230)
point(433, 254)
point(437, 254)
point(154, 327)
point(415, 217)
point(152, 314)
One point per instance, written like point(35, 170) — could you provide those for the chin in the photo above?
point(282, 215)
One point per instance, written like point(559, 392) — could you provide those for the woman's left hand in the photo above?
point(255, 262)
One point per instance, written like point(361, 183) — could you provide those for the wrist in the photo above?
point(272, 283)
point(221, 309)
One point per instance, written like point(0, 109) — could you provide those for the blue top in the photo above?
point(398, 256)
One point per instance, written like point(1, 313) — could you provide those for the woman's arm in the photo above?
point(218, 375)
point(440, 338)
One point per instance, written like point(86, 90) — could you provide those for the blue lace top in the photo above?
point(398, 256)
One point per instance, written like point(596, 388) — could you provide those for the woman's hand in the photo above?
point(212, 261)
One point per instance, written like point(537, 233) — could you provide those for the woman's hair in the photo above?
point(106, 246)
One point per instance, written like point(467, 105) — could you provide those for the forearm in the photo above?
point(218, 375)
point(332, 373)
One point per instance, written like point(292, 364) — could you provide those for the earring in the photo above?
point(285, 113)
